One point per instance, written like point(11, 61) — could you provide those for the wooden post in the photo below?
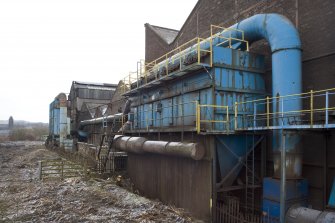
point(62, 169)
point(40, 170)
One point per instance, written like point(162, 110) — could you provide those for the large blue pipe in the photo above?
point(285, 45)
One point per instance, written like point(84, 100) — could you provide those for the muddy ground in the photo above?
point(24, 198)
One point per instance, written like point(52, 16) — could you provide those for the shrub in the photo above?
point(29, 134)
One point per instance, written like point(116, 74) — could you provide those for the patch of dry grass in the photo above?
point(27, 134)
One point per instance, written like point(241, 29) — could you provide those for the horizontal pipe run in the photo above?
point(116, 117)
point(306, 215)
point(141, 145)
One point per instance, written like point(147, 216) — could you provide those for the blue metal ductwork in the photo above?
point(285, 45)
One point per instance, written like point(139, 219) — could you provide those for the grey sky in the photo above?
point(44, 45)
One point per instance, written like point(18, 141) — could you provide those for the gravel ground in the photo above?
point(23, 198)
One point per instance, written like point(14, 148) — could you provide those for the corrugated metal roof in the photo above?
point(92, 85)
point(90, 90)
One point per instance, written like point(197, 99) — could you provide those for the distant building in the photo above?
point(10, 122)
point(89, 100)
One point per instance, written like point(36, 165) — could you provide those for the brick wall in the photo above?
point(154, 44)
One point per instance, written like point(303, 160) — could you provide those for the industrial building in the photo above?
point(7, 125)
point(232, 116)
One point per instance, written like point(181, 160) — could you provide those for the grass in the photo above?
point(27, 134)
point(3, 208)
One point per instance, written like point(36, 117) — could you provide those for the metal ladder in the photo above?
point(103, 158)
point(250, 179)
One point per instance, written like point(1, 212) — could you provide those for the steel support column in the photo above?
point(283, 179)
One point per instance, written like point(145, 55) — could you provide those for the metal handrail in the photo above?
point(199, 120)
point(282, 113)
point(230, 38)
point(180, 52)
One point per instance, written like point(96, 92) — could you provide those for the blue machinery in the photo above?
point(59, 123)
point(215, 86)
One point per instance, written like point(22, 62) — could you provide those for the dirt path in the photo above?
point(23, 198)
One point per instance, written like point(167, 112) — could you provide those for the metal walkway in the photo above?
point(317, 113)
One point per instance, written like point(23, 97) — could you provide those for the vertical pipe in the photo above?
point(288, 62)
point(211, 47)
point(327, 105)
point(180, 59)
point(227, 121)
point(283, 180)
point(198, 50)
point(263, 158)
point(137, 79)
point(214, 193)
point(62, 100)
point(282, 111)
point(325, 166)
point(199, 117)
point(312, 109)
point(255, 113)
point(235, 115)
point(267, 112)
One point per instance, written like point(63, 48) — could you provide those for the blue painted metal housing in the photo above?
point(231, 153)
point(54, 118)
point(296, 194)
point(331, 202)
point(235, 76)
point(59, 123)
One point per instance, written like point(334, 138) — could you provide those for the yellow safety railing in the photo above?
point(179, 53)
point(219, 32)
point(318, 111)
point(165, 64)
point(124, 119)
point(212, 120)
point(317, 106)
point(159, 67)
point(127, 81)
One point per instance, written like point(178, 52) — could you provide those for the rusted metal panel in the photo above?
point(178, 181)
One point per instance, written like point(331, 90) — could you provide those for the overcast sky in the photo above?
point(45, 45)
